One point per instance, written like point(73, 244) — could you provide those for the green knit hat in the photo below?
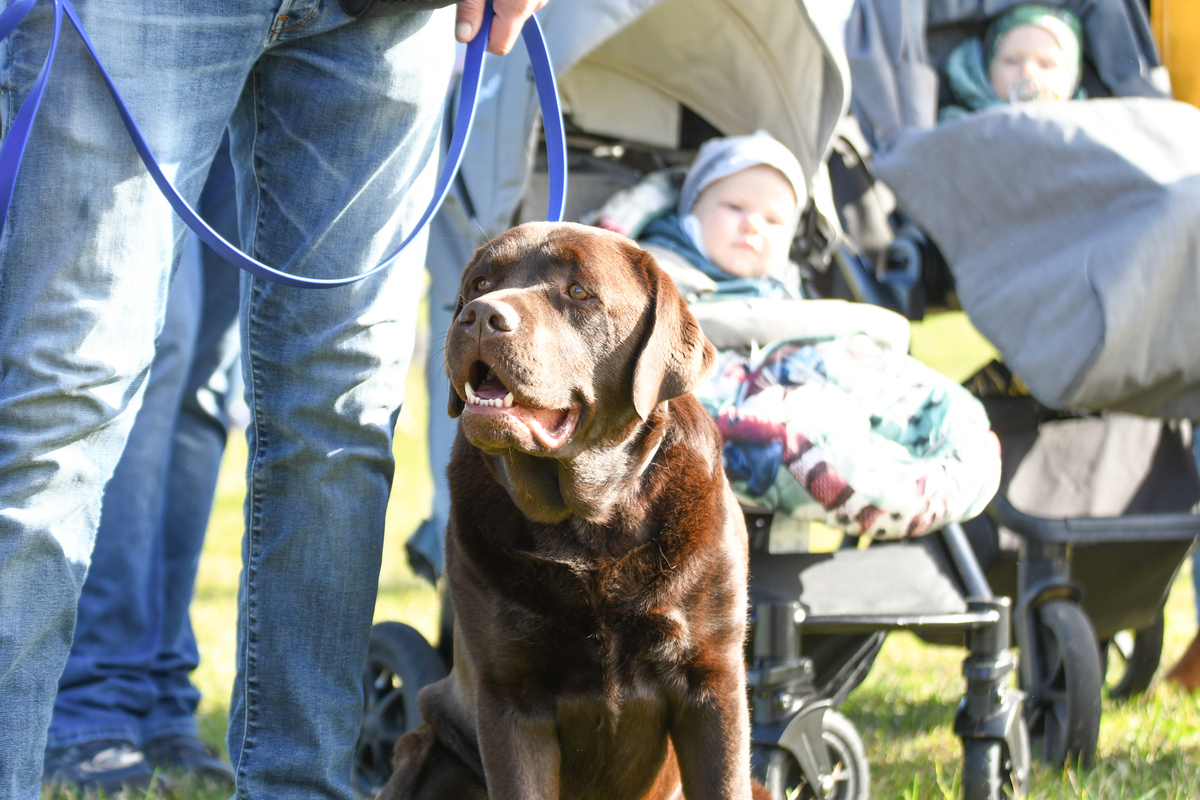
point(1061, 23)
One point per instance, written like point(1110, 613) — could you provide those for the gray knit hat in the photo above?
point(722, 157)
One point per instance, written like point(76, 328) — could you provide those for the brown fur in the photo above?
point(600, 585)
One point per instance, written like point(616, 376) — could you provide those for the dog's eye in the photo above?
point(482, 284)
point(577, 292)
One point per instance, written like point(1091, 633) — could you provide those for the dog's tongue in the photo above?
point(491, 389)
point(547, 424)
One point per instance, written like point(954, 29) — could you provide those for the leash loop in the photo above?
point(535, 43)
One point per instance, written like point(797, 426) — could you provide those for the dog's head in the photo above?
point(564, 336)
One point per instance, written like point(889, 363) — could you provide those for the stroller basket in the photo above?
point(913, 586)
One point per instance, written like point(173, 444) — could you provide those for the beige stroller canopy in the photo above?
point(626, 67)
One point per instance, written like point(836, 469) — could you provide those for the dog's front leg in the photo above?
point(712, 740)
point(520, 751)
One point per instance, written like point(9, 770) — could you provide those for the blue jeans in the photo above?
point(333, 128)
point(449, 252)
point(127, 675)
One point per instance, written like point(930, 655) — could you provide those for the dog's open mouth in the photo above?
point(487, 394)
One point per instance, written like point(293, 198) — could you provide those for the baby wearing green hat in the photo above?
point(1030, 52)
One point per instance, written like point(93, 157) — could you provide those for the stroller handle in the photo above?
point(1094, 530)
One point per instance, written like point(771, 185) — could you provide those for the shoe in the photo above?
point(181, 751)
point(1186, 672)
point(107, 765)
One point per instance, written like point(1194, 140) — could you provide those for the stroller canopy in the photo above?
point(625, 68)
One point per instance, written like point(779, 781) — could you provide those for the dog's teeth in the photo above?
point(494, 402)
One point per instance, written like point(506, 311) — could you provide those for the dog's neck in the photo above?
point(593, 485)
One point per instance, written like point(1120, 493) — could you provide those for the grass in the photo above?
point(1149, 747)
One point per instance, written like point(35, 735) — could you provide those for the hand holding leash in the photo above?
point(510, 17)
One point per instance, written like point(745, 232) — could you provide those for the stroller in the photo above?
point(1104, 495)
point(643, 92)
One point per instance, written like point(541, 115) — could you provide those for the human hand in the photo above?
point(506, 26)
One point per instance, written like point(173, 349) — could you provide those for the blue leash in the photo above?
point(539, 57)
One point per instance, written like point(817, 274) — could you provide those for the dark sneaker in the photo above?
point(180, 751)
point(108, 765)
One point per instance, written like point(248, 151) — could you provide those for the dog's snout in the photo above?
point(503, 318)
point(486, 318)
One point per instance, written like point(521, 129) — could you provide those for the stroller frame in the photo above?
point(1044, 577)
point(787, 707)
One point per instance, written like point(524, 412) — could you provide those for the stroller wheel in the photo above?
point(399, 663)
point(1063, 709)
point(1130, 658)
point(987, 771)
point(780, 772)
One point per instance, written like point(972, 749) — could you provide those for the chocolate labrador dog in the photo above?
point(595, 554)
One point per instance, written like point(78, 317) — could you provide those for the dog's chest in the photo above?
point(606, 631)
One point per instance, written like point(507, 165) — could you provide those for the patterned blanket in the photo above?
point(844, 432)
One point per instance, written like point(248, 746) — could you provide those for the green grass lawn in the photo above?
point(1149, 747)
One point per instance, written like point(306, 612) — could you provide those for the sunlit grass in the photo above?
point(949, 343)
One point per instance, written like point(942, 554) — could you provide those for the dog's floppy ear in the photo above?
point(675, 355)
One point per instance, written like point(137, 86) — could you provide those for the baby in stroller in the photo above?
point(836, 426)
point(737, 213)
point(1030, 52)
point(723, 226)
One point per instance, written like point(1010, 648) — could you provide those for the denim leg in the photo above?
point(106, 687)
point(330, 194)
point(196, 446)
point(426, 546)
point(449, 252)
point(85, 260)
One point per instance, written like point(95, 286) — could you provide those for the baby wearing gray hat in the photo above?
point(737, 214)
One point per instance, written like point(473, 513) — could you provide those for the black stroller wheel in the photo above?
point(987, 771)
point(1063, 711)
point(399, 663)
point(785, 780)
point(1130, 659)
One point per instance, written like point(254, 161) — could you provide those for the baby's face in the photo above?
point(1029, 53)
point(746, 219)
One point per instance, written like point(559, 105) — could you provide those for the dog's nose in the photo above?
point(489, 317)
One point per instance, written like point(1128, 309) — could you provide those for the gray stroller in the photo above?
point(1069, 234)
